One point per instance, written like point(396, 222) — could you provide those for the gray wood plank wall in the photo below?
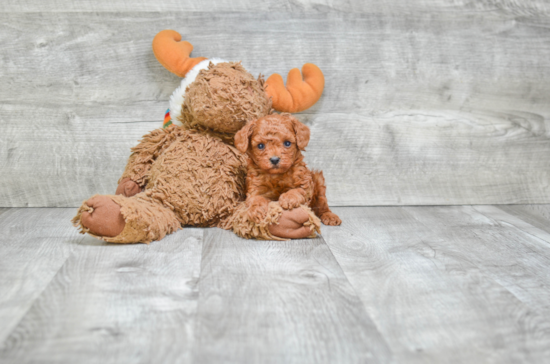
point(426, 102)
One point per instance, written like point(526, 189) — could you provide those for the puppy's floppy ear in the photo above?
point(302, 133)
point(243, 136)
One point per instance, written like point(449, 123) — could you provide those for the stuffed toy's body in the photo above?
point(189, 172)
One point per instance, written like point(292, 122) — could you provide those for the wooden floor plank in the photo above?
point(114, 303)
point(502, 217)
point(517, 260)
point(431, 297)
point(34, 245)
point(456, 284)
point(536, 215)
point(279, 302)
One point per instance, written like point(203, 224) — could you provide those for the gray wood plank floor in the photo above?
point(455, 284)
point(279, 302)
point(536, 215)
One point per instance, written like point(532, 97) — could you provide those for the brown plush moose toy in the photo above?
point(189, 172)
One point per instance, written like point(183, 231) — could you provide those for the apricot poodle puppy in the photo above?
point(276, 168)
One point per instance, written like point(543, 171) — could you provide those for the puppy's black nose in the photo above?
point(274, 160)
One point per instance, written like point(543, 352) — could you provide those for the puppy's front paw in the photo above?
point(290, 200)
point(329, 218)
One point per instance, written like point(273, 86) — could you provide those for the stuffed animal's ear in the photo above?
point(302, 133)
point(242, 137)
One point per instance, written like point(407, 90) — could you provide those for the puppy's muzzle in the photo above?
point(274, 160)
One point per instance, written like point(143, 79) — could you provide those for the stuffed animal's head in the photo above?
point(273, 142)
point(223, 96)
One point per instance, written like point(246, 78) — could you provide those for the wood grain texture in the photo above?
point(279, 302)
point(34, 245)
point(439, 106)
point(431, 158)
point(447, 281)
point(517, 260)
point(516, 7)
point(64, 163)
point(457, 284)
point(111, 303)
point(512, 221)
point(536, 215)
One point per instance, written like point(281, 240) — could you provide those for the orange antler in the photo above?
point(298, 95)
point(173, 54)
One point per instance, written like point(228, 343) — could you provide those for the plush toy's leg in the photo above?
point(297, 223)
point(120, 219)
point(278, 224)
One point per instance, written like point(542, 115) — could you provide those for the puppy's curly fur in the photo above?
point(276, 168)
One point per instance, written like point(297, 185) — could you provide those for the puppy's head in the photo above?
point(273, 142)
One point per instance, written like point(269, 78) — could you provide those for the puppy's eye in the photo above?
point(261, 146)
point(287, 144)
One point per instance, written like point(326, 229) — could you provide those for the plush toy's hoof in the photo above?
point(127, 188)
point(103, 217)
point(291, 225)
